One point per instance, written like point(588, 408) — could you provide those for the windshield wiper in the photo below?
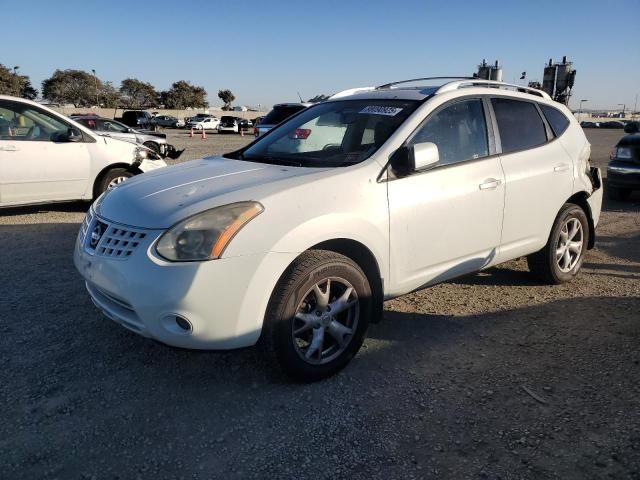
point(275, 161)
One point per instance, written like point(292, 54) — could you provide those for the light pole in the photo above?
point(624, 107)
point(581, 102)
point(96, 79)
point(15, 70)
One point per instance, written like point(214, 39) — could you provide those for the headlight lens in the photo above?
point(206, 235)
point(143, 153)
point(623, 152)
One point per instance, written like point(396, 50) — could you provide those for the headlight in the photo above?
point(206, 235)
point(623, 152)
point(144, 153)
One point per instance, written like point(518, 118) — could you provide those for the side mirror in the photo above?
point(413, 158)
point(632, 127)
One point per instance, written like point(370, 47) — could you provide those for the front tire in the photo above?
point(112, 178)
point(317, 316)
point(152, 146)
point(561, 258)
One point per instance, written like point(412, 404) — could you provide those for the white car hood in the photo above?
point(161, 198)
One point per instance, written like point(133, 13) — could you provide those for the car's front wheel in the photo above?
point(560, 260)
point(112, 178)
point(317, 316)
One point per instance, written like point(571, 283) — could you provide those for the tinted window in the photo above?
point(23, 122)
point(459, 131)
point(556, 119)
point(519, 123)
point(278, 114)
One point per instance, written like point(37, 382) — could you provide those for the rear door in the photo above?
point(538, 174)
point(34, 167)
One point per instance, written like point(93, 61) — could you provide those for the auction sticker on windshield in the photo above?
point(380, 110)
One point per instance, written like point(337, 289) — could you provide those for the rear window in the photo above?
point(279, 114)
point(519, 123)
point(556, 119)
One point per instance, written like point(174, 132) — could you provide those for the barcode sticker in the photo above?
point(380, 110)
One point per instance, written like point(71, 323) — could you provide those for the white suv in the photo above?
point(295, 241)
point(47, 157)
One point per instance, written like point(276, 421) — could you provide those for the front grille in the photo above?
point(119, 242)
point(109, 240)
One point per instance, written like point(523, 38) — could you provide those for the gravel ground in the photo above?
point(490, 376)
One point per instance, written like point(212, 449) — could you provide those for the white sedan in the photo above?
point(47, 157)
point(209, 123)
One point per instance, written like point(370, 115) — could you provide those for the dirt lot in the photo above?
point(491, 376)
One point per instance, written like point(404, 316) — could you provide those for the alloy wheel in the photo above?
point(570, 244)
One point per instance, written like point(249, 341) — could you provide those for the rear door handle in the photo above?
point(490, 184)
point(563, 167)
point(9, 148)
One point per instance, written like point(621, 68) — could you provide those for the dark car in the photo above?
point(623, 171)
point(590, 124)
point(138, 119)
point(280, 113)
point(613, 124)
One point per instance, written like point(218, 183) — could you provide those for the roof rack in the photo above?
point(476, 82)
point(389, 85)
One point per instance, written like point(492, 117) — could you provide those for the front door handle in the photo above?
point(563, 167)
point(9, 148)
point(490, 184)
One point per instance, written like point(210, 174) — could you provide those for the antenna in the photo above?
point(300, 97)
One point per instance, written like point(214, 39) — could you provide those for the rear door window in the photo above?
point(556, 119)
point(519, 124)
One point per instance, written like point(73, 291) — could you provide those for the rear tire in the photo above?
point(617, 193)
point(153, 146)
point(561, 258)
point(317, 316)
point(112, 178)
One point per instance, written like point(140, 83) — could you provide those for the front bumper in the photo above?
point(223, 301)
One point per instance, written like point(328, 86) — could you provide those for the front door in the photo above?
point(34, 167)
point(446, 221)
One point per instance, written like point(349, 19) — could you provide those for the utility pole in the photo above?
point(96, 79)
point(581, 102)
point(624, 107)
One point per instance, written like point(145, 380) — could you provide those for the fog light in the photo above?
point(183, 323)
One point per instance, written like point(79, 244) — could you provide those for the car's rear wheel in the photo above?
point(317, 316)
point(113, 178)
point(561, 259)
point(617, 193)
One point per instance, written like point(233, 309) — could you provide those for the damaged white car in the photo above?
point(46, 157)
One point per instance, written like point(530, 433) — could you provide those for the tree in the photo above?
point(227, 97)
point(16, 85)
point(71, 86)
point(138, 94)
point(184, 95)
point(109, 96)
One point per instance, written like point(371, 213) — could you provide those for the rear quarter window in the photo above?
point(519, 124)
point(556, 119)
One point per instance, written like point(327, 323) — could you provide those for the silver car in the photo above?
point(112, 128)
point(169, 121)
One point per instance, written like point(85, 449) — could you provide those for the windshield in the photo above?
point(330, 134)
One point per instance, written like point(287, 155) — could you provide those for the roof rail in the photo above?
point(351, 91)
point(476, 82)
point(389, 85)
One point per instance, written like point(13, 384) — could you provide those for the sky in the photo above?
point(268, 51)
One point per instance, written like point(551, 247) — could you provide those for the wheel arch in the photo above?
point(127, 166)
point(366, 260)
point(580, 199)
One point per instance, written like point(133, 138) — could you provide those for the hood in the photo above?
point(163, 197)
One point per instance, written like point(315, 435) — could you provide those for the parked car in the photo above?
point(229, 124)
point(112, 128)
point(207, 123)
point(169, 121)
point(612, 124)
point(623, 171)
point(245, 124)
point(47, 157)
point(295, 240)
point(138, 119)
point(278, 114)
point(590, 124)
